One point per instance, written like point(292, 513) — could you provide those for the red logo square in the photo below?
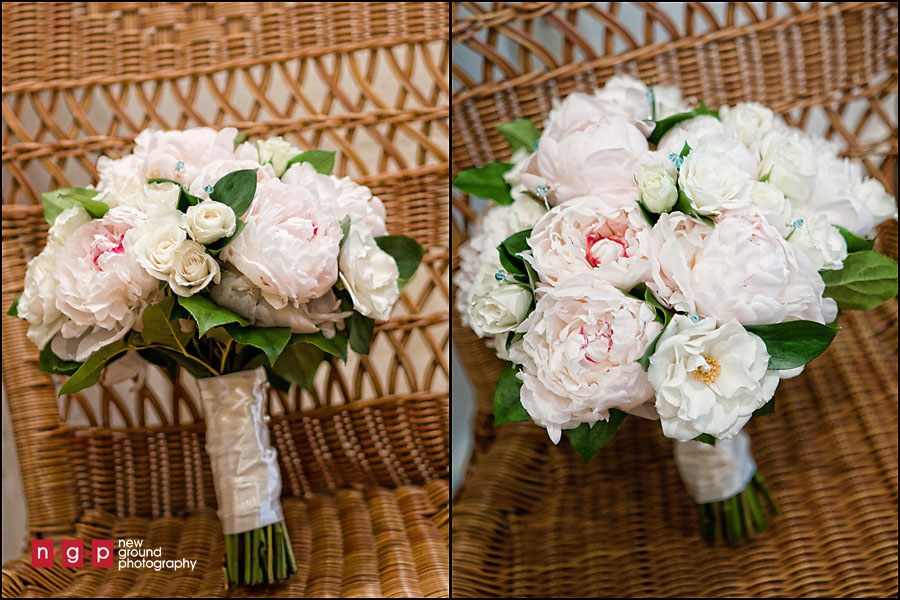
point(41, 553)
point(72, 553)
point(102, 553)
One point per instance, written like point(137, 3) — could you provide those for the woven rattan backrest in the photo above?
point(369, 80)
point(831, 69)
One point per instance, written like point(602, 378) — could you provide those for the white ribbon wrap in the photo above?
point(244, 464)
point(715, 473)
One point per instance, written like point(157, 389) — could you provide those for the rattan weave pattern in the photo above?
point(364, 455)
point(531, 519)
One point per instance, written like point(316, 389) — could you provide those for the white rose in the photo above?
point(872, 194)
point(741, 269)
point(524, 212)
point(578, 354)
point(707, 379)
point(499, 311)
point(278, 151)
point(37, 304)
point(591, 237)
point(192, 269)
point(834, 196)
point(749, 120)
point(630, 97)
point(820, 241)
point(789, 159)
point(692, 131)
point(669, 101)
point(658, 191)
point(713, 182)
point(101, 289)
point(369, 273)
point(161, 196)
point(769, 199)
point(157, 241)
point(209, 221)
point(596, 157)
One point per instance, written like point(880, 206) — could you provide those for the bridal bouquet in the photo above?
point(240, 263)
point(654, 258)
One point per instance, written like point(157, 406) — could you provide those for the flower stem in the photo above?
point(261, 556)
point(739, 517)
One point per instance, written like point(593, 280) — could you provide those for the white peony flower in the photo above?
point(749, 121)
point(289, 247)
point(742, 269)
point(369, 273)
point(121, 181)
point(524, 212)
point(277, 151)
point(238, 294)
point(348, 197)
point(591, 237)
point(693, 131)
point(769, 199)
point(157, 240)
point(657, 188)
point(579, 351)
point(715, 180)
point(500, 310)
point(708, 379)
point(598, 157)
point(102, 289)
point(820, 241)
point(192, 269)
point(209, 221)
point(789, 160)
point(872, 194)
point(629, 97)
point(67, 222)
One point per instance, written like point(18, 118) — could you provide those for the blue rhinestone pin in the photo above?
point(541, 191)
point(676, 160)
point(208, 189)
point(500, 276)
point(797, 224)
point(694, 317)
point(179, 166)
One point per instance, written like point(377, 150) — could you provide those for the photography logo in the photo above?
point(132, 554)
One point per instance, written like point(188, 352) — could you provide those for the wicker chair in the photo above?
point(364, 457)
point(531, 518)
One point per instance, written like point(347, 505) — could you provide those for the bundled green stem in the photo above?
point(740, 517)
point(258, 557)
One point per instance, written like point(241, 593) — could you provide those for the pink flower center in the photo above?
point(601, 255)
point(103, 244)
point(598, 342)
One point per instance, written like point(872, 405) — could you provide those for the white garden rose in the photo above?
point(289, 246)
point(789, 161)
point(657, 188)
point(598, 157)
point(872, 194)
point(591, 237)
point(578, 354)
point(708, 379)
point(238, 294)
point(820, 241)
point(102, 289)
point(500, 310)
point(157, 240)
point(161, 196)
point(209, 221)
point(693, 131)
point(349, 197)
point(749, 121)
point(834, 195)
point(524, 212)
point(713, 182)
point(742, 269)
point(369, 273)
point(769, 199)
point(277, 151)
point(192, 269)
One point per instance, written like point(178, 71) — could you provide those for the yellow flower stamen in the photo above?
point(707, 375)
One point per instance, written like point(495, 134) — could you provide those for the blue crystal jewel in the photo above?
point(208, 189)
point(694, 317)
point(179, 166)
point(542, 191)
point(500, 276)
point(798, 223)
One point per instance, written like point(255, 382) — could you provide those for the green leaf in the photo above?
point(684, 205)
point(644, 360)
point(159, 328)
point(509, 250)
point(270, 340)
point(48, 362)
point(767, 176)
point(361, 329)
point(664, 125)
point(336, 346)
point(642, 292)
point(513, 337)
point(89, 372)
point(163, 360)
point(239, 139)
point(207, 313)
point(519, 134)
point(854, 242)
point(57, 201)
point(14, 308)
point(793, 343)
point(236, 190)
point(486, 182)
point(345, 229)
point(685, 150)
point(277, 381)
point(298, 364)
point(507, 406)
point(220, 244)
point(186, 200)
point(766, 409)
point(321, 161)
point(588, 440)
point(867, 279)
point(651, 217)
point(405, 251)
point(706, 439)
